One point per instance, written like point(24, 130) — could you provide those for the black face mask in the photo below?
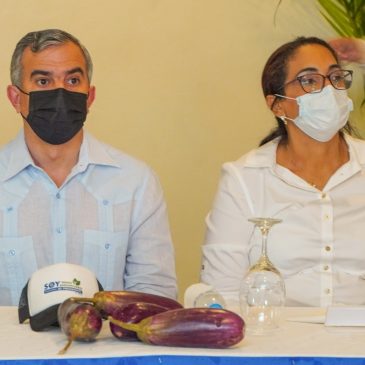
point(56, 115)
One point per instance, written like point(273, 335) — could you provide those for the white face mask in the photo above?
point(323, 114)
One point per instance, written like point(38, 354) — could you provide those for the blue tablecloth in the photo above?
point(193, 360)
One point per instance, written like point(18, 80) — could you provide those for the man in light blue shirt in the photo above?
point(66, 197)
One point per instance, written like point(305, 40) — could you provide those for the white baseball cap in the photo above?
point(50, 286)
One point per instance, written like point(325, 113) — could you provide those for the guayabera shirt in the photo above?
point(109, 215)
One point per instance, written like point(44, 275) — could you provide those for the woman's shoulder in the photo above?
point(261, 157)
point(357, 146)
point(355, 141)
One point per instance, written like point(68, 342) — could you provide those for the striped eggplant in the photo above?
point(190, 327)
point(132, 313)
point(78, 321)
point(108, 301)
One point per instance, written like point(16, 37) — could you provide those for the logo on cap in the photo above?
point(53, 286)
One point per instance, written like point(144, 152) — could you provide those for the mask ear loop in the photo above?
point(283, 119)
point(21, 90)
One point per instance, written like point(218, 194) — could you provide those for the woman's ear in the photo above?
point(274, 104)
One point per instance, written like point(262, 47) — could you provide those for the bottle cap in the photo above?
point(193, 291)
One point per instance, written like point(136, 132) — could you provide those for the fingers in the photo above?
point(349, 49)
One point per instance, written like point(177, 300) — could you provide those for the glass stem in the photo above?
point(265, 232)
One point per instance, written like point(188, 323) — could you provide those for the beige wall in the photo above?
point(178, 85)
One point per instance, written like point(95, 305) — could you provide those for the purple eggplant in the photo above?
point(78, 321)
point(191, 327)
point(108, 301)
point(132, 313)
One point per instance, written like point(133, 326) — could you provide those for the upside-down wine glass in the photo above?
point(262, 292)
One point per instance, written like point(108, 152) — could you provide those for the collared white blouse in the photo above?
point(320, 245)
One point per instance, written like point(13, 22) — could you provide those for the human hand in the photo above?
point(349, 49)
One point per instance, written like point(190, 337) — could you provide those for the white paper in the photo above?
point(345, 316)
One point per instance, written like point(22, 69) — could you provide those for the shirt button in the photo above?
point(326, 267)
point(327, 291)
point(59, 230)
point(107, 246)
point(12, 252)
point(324, 196)
point(9, 209)
point(326, 216)
point(58, 196)
point(327, 248)
point(105, 202)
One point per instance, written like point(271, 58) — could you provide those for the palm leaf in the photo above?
point(336, 15)
point(360, 13)
point(344, 30)
point(347, 17)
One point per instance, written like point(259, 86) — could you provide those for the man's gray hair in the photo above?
point(38, 41)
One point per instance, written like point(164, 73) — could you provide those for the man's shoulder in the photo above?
point(105, 154)
point(115, 173)
point(12, 154)
point(8, 148)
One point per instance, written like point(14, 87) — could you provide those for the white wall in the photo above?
point(178, 85)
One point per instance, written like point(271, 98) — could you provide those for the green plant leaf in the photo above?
point(335, 14)
point(343, 30)
point(347, 17)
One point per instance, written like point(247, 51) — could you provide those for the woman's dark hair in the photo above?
point(275, 73)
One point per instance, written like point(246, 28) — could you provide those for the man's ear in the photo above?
point(14, 97)
point(90, 96)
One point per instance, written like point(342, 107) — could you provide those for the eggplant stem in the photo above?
point(68, 344)
point(128, 326)
point(82, 300)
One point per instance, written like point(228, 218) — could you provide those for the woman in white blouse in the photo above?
point(310, 173)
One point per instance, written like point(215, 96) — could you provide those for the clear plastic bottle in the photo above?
point(209, 299)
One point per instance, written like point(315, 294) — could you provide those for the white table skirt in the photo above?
point(291, 340)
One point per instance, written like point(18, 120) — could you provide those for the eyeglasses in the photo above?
point(314, 83)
